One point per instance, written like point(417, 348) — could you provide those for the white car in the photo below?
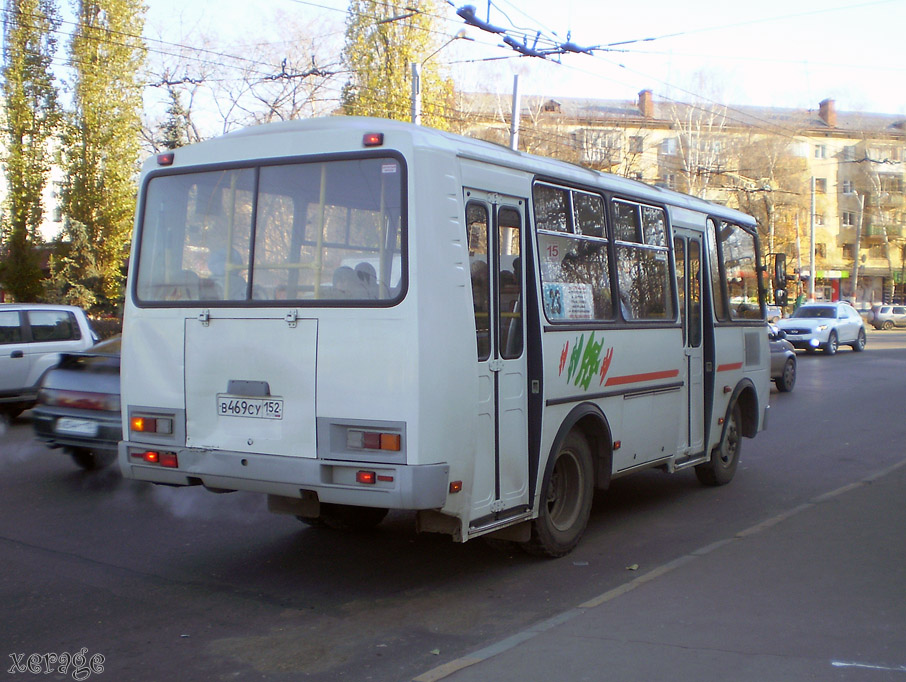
point(32, 337)
point(826, 326)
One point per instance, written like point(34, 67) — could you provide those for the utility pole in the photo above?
point(811, 222)
point(856, 246)
point(517, 107)
point(416, 93)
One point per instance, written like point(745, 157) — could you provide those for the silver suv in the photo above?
point(32, 337)
point(888, 316)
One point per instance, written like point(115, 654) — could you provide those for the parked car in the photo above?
point(773, 313)
point(783, 359)
point(888, 316)
point(78, 406)
point(826, 326)
point(866, 310)
point(32, 337)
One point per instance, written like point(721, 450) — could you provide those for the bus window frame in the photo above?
point(255, 164)
point(712, 249)
point(571, 234)
point(673, 296)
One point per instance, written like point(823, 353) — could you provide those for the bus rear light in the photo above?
point(164, 459)
point(165, 159)
point(373, 440)
point(159, 425)
point(366, 477)
point(385, 478)
point(455, 486)
point(373, 140)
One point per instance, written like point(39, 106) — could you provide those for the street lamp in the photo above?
point(417, 77)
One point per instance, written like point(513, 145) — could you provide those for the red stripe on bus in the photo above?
point(647, 376)
point(729, 366)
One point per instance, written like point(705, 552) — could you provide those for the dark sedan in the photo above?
point(78, 406)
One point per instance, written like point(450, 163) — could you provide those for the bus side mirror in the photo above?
point(779, 271)
point(780, 297)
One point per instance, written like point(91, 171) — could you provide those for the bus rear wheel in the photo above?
point(725, 457)
point(566, 498)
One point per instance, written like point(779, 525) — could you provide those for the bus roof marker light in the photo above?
point(166, 159)
point(373, 140)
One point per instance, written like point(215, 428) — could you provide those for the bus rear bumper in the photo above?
point(390, 486)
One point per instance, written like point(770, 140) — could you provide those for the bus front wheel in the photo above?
point(725, 457)
point(566, 498)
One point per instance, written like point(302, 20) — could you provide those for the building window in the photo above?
point(849, 218)
point(821, 185)
point(891, 183)
point(668, 146)
point(820, 251)
point(819, 219)
point(848, 187)
point(849, 251)
point(820, 151)
point(636, 144)
point(849, 153)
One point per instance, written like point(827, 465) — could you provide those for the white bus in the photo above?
point(354, 315)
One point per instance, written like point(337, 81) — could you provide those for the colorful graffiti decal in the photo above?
point(584, 361)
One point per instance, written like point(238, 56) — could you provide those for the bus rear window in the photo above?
point(319, 232)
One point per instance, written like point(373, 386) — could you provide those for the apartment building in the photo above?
point(833, 176)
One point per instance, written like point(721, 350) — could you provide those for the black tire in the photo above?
point(13, 410)
point(725, 457)
point(887, 325)
point(90, 460)
point(859, 345)
point(348, 517)
point(787, 380)
point(830, 348)
point(566, 497)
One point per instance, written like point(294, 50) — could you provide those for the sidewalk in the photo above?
point(816, 593)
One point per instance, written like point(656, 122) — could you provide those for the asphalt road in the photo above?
point(185, 584)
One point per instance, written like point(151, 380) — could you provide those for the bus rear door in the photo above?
point(495, 233)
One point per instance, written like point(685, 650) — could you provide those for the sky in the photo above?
point(788, 54)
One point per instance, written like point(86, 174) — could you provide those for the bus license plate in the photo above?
point(255, 408)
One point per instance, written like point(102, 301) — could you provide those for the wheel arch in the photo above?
point(589, 420)
point(746, 396)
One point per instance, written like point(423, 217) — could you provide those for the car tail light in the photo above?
point(80, 400)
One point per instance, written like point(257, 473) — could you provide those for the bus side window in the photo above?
point(477, 236)
point(509, 226)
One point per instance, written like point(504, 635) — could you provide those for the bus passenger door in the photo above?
point(688, 253)
point(494, 227)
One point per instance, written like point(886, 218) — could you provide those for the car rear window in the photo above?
point(10, 330)
point(53, 325)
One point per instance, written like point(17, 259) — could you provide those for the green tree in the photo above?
point(74, 276)
point(102, 135)
point(31, 118)
point(382, 41)
point(175, 129)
